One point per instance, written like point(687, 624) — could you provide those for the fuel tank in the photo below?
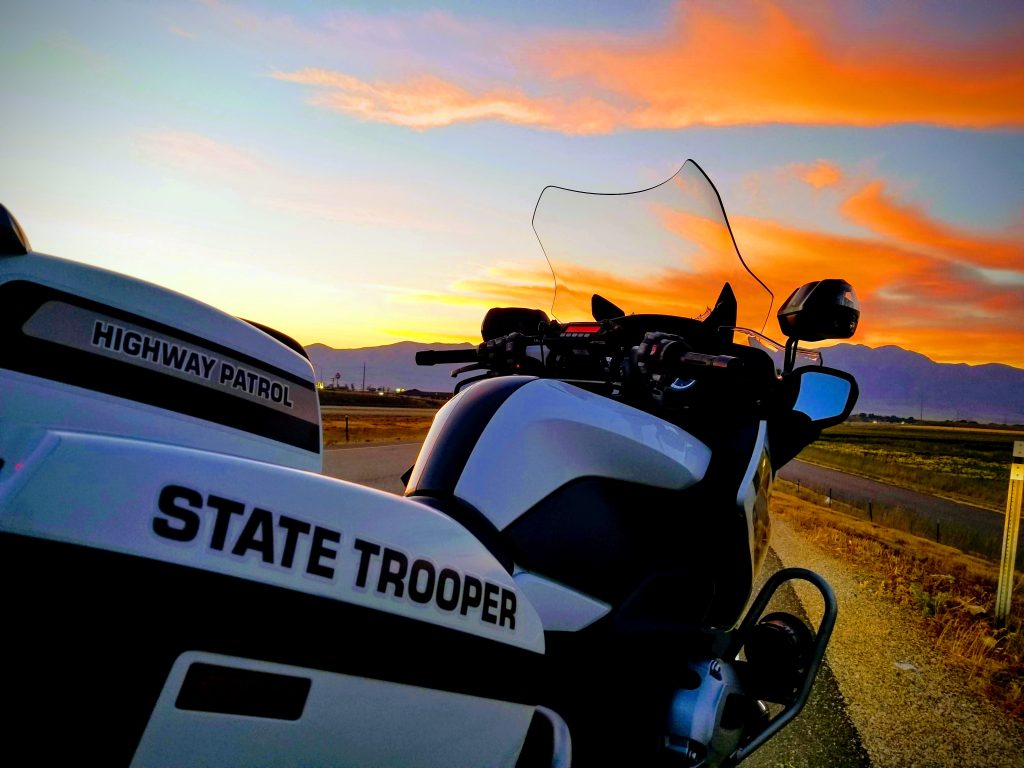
point(607, 512)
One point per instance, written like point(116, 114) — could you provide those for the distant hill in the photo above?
point(899, 382)
point(392, 366)
point(893, 381)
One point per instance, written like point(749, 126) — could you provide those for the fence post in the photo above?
point(346, 429)
point(871, 513)
point(1010, 530)
point(829, 499)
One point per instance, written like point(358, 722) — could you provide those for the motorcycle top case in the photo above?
point(91, 350)
point(174, 598)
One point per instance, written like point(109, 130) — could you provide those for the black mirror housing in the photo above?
point(501, 321)
point(824, 309)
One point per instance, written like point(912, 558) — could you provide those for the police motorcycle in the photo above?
point(564, 579)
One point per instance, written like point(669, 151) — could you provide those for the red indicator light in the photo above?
point(582, 328)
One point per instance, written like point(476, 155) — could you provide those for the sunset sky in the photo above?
point(361, 173)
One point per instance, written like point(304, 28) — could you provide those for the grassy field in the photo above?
point(964, 464)
point(955, 592)
point(375, 425)
point(959, 535)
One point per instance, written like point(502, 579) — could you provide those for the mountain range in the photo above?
point(893, 381)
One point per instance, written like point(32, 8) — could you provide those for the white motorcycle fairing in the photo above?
point(180, 589)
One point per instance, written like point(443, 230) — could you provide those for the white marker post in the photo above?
point(1013, 502)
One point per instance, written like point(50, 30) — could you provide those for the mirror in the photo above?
point(825, 395)
point(824, 309)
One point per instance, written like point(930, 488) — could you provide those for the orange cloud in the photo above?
point(948, 315)
point(945, 309)
point(877, 211)
point(430, 102)
point(821, 174)
point(500, 285)
point(757, 63)
point(747, 63)
point(661, 290)
point(787, 257)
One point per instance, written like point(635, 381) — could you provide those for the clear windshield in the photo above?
point(666, 250)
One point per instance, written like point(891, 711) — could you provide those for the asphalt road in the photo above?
point(930, 510)
point(379, 466)
point(822, 735)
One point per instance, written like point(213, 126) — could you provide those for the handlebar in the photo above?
point(661, 353)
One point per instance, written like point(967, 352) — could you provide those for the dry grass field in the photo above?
point(964, 464)
point(955, 592)
point(375, 425)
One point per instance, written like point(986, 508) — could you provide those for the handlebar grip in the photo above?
point(435, 357)
point(690, 363)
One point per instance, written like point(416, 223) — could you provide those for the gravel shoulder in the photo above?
point(911, 708)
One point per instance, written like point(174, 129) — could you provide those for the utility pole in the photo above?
point(1010, 531)
point(364, 377)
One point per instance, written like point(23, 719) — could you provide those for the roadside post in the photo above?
point(1010, 531)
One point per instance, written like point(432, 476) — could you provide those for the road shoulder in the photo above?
point(910, 707)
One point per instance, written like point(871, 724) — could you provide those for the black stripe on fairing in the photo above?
point(92, 635)
point(474, 521)
point(460, 433)
point(34, 295)
point(20, 299)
